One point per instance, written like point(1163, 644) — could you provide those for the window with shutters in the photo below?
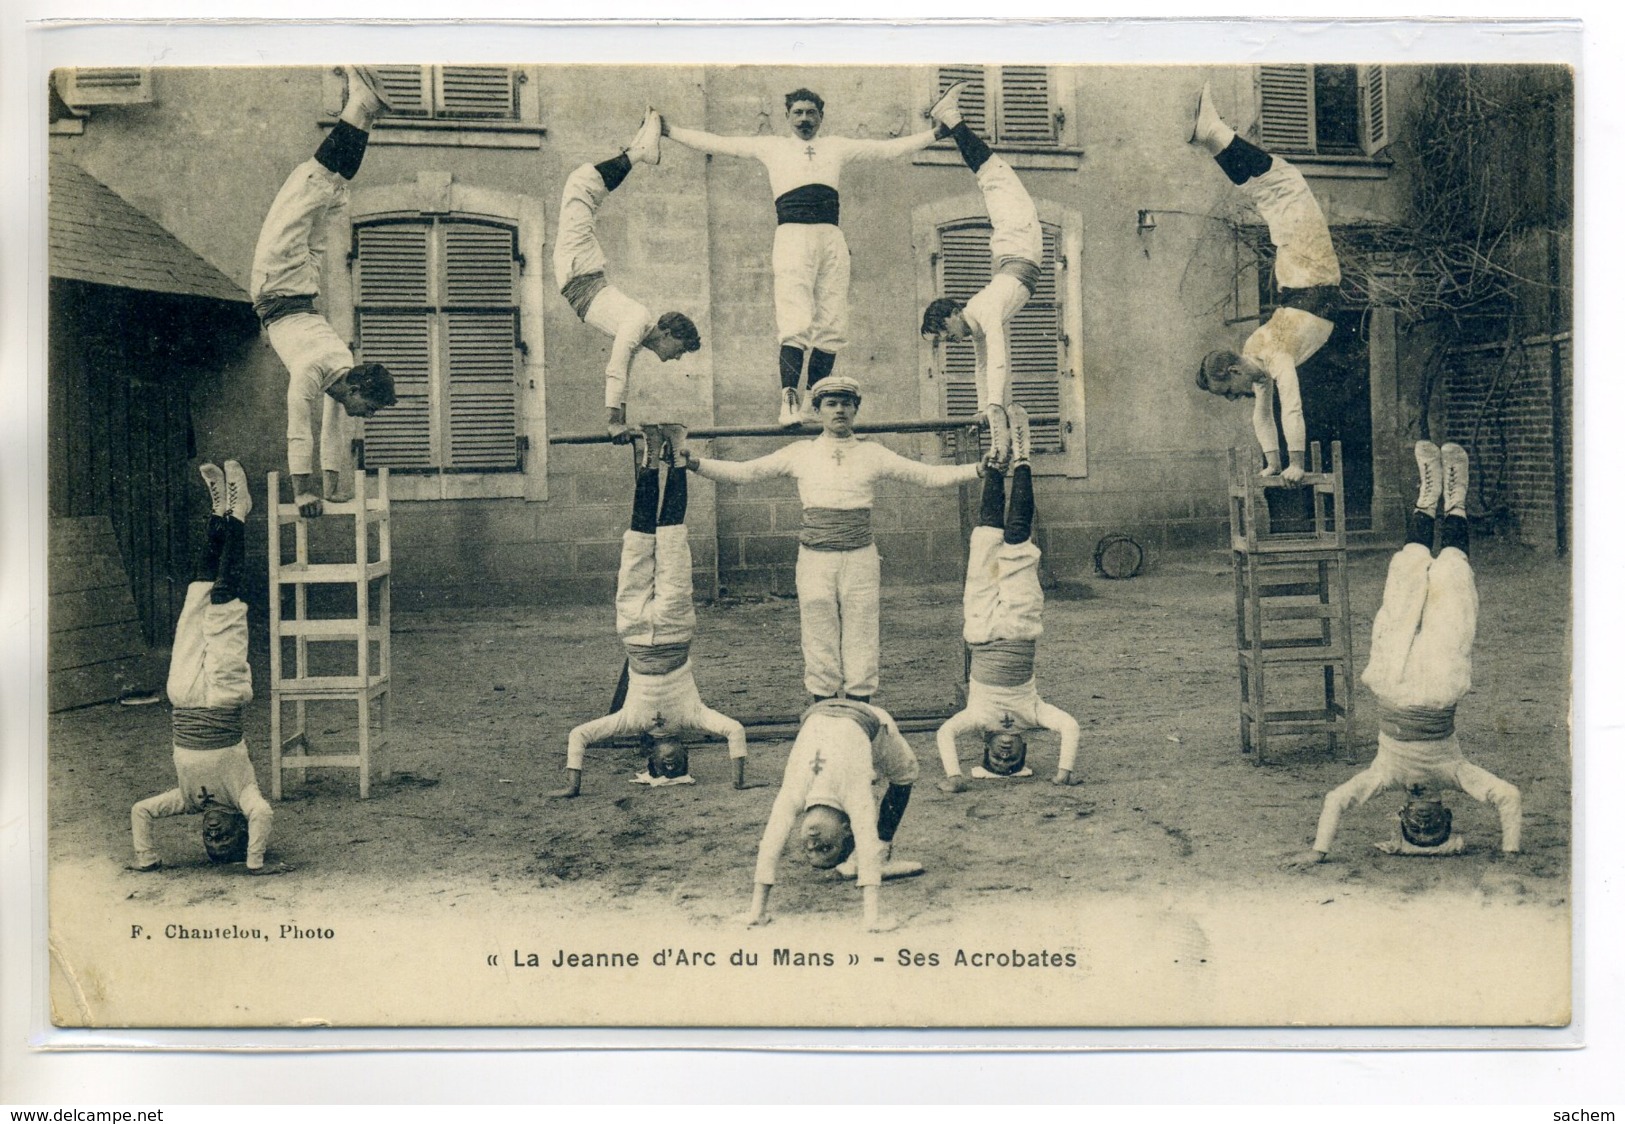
point(450, 105)
point(436, 301)
point(1326, 110)
point(1026, 113)
point(1046, 373)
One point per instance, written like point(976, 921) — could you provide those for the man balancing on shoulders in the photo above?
point(841, 747)
point(812, 269)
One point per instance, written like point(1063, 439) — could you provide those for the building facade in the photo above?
point(441, 268)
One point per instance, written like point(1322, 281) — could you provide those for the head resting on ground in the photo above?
point(826, 836)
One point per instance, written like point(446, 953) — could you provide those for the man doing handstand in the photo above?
point(1421, 665)
point(284, 286)
point(579, 263)
point(1017, 245)
point(1004, 617)
point(1307, 272)
point(654, 615)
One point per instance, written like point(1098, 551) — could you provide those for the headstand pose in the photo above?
point(812, 270)
point(1307, 272)
point(1017, 244)
point(838, 568)
point(286, 281)
point(579, 264)
point(654, 615)
point(209, 684)
point(841, 748)
point(1421, 665)
point(1004, 610)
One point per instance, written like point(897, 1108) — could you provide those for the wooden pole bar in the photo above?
point(933, 425)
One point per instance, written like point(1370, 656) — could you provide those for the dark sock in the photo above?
point(790, 360)
point(1018, 525)
point(992, 513)
point(615, 170)
point(821, 364)
point(674, 507)
point(1419, 528)
point(1242, 160)
point(645, 500)
point(228, 584)
point(858, 698)
point(822, 698)
point(892, 807)
point(972, 147)
point(341, 151)
point(208, 563)
point(1454, 533)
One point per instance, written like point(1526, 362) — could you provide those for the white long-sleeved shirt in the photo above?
point(987, 707)
point(792, 162)
point(628, 323)
point(671, 701)
point(838, 473)
point(1278, 347)
point(834, 763)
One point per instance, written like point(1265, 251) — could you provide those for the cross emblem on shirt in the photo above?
point(839, 455)
point(818, 762)
point(811, 152)
point(659, 722)
point(1008, 722)
point(203, 796)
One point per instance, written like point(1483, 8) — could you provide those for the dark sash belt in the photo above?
point(580, 291)
point(1318, 300)
point(207, 727)
point(272, 309)
point(656, 659)
point(810, 204)
point(863, 715)
point(1022, 270)
point(831, 528)
point(1416, 723)
point(1003, 663)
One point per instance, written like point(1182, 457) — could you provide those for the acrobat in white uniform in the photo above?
point(1017, 245)
point(840, 750)
point(838, 567)
point(579, 266)
point(812, 269)
point(1004, 617)
point(209, 685)
point(654, 616)
point(1307, 274)
point(1421, 665)
point(284, 285)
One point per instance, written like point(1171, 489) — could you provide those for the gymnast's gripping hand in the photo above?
point(620, 433)
point(1293, 473)
point(1307, 858)
point(1063, 777)
point(686, 459)
point(954, 784)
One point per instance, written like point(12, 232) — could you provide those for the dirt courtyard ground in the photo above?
point(1167, 805)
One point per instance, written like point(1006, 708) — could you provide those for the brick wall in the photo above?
point(1499, 406)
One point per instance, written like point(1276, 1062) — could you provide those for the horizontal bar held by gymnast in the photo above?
point(933, 425)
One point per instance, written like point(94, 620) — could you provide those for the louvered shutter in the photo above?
point(104, 85)
point(1034, 334)
point(1374, 131)
point(482, 336)
point(1025, 113)
point(973, 101)
point(409, 88)
point(394, 327)
point(1286, 108)
point(474, 92)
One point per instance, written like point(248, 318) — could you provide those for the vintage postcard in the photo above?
point(974, 544)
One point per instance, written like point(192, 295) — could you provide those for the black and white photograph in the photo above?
point(756, 544)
